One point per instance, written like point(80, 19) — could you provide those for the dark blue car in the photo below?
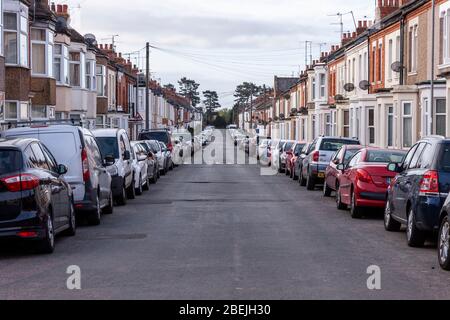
point(418, 192)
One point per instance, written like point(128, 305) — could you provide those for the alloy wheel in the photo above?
point(50, 232)
point(444, 242)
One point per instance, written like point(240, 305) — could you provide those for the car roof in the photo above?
point(106, 132)
point(435, 139)
point(42, 128)
point(17, 143)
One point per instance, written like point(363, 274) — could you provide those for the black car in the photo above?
point(161, 135)
point(418, 192)
point(36, 203)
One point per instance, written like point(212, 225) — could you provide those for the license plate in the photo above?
point(321, 175)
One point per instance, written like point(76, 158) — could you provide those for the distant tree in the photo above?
point(189, 89)
point(245, 93)
point(170, 87)
point(211, 102)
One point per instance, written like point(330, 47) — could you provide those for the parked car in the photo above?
point(332, 174)
point(162, 135)
point(319, 155)
point(160, 156)
point(168, 155)
point(291, 160)
point(87, 173)
point(298, 166)
point(139, 158)
point(115, 144)
point(36, 202)
point(152, 161)
point(444, 236)
point(276, 147)
point(365, 179)
point(183, 139)
point(287, 147)
point(418, 192)
point(264, 151)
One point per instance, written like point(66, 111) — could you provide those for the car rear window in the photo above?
point(156, 135)
point(444, 158)
point(64, 151)
point(108, 146)
point(299, 148)
point(335, 144)
point(385, 156)
point(288, 146)
point(10, 161)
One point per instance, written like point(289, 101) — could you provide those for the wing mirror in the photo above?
point(62, 169)
point(126, 155)
point(109, 160)
point(340, 167)
point(394, 167)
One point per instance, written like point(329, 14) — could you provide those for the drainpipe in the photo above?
point(402, 50)
point(433, 31)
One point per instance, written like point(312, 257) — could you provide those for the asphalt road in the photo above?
point(226, 232)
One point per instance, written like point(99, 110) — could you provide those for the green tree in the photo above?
point(211, 102)
point(170, 87)
point(189, 89)
point(244, 95)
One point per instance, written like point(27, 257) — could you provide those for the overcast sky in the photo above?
point(219, 43)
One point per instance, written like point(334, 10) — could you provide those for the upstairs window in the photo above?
point(413, 48)
point(75, 69)
point(90, 75)
point(41, 52)
point(61, 64)
point(15, 39)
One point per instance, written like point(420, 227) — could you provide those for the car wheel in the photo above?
point(139, 189)
point(326, 190)
point(302, 180)
point(94, 217)
point(47, 245)
point(355, 211)
point(390, 224)
point(444, 244)
point(339, 204)
point(72, 230)
point(146, 186)
point(310, 183)
point(122, 199)
point(414, 236)
point(131, 192)
point(109, 209)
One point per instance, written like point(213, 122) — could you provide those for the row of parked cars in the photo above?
point(412, 187)
point(53, 176)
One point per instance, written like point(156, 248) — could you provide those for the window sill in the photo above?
point(411, 74)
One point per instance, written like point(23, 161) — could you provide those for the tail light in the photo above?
point(315, 156)
point(27, 234)
point(429, 182)
point(85, 165)
point(363, 176)
point(21, 182)
point(170, 146)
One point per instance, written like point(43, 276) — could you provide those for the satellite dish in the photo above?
point(397, 66)
point(90, 38)
point(339, 97)
point(349, 87)
point(364, 85)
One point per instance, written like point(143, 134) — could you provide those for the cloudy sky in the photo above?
point(219, 43)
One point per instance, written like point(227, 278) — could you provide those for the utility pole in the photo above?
point(147, 89)
point(433, 42)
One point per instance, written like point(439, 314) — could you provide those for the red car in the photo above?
point(342, 156)
point(292, 156)
point(365, 179)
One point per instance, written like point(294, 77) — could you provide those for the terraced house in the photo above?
point(381, 84)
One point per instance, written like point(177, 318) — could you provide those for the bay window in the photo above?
point(390, 125)
point(75, 69)
point(101, 80)
point(407, 124)
point(90, 75)
point(15, 38)
point(61, 64)
point(11, 110)
point(371, 125)
point(38, 50)
point(441, 117)
point(347, 124)
point(38, 112)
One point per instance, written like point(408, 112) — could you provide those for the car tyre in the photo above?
point(355, 211)
point(444, 244)
point(414, 236)
point(139, 191)
point(146, 186)
point(326, 190)
point(390, 224)
point(47, 245)
point(310, 183)
point(94, 216)
point(72, 230)
point(109, 209)
point(339, 204)
point(122, 199)
point(302, 180)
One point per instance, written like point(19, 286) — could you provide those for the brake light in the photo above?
point(316, 156)
point(21, 182)
point(170, 146)
point(85, 165)
point(429, 182)
point(363, 176)
point(27, 234)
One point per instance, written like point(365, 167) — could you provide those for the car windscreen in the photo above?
point(385, 156)
point(108, 146)
point(335, 144)
point(299, 148)
point(10, 161)
point(156, 135)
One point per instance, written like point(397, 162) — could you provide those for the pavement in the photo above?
point(227, 232)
